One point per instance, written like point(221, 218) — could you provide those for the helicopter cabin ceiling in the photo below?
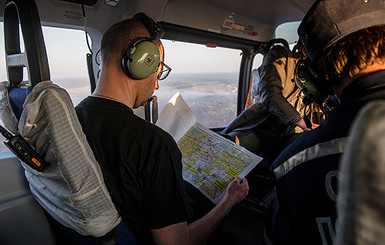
point(248, 19)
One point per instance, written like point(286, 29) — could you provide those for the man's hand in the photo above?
point(199, 231)
point(301, 123)
point(237, 190)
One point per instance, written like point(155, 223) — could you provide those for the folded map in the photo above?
point(210, 161)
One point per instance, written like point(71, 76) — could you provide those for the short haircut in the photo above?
point(117, 39)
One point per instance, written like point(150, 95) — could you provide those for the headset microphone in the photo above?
point(309, 82)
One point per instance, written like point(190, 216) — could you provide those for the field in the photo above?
point(212, 97)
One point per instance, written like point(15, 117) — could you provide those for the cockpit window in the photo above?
point(66, 51)
point(288, 31)
point(207, 79)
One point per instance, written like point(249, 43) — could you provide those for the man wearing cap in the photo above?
point(345, 44)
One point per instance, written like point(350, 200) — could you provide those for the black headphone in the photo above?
point(308, 80)
point(142, 57)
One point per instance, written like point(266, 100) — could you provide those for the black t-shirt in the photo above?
point(141, 165)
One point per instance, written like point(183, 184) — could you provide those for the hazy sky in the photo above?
point(66, 51)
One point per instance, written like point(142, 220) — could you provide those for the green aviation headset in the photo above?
point(309, 82)
point(142, 57)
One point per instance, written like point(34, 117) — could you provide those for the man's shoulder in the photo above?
point(121, 119)
point(164, 136)
point(87, 100)
point(323, 137)
point(149, 133)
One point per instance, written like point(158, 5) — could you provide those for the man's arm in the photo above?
point(276, 73)
point(199, 231)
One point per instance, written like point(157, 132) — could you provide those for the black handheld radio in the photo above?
point(23, 150)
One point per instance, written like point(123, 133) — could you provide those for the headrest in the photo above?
point(34, 57)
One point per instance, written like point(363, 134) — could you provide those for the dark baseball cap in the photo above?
point(327, 21)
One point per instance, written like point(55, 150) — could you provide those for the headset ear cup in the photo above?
point(142, 59)
point(125, 63)
point(306, 78)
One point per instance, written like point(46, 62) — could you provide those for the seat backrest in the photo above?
point(361, 189)
point(71, 189)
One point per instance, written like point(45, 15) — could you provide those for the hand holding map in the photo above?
point(210, 162)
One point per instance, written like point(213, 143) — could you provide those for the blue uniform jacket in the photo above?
point(307, 171)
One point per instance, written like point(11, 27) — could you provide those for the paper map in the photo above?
point(210, 162)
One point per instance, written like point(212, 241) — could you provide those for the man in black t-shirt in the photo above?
point(141, 163)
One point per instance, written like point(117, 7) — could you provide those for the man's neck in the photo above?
point(372, 68)
point(376, 66)
point(116, 88)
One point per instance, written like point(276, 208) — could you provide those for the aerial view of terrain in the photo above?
point(212, 97)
